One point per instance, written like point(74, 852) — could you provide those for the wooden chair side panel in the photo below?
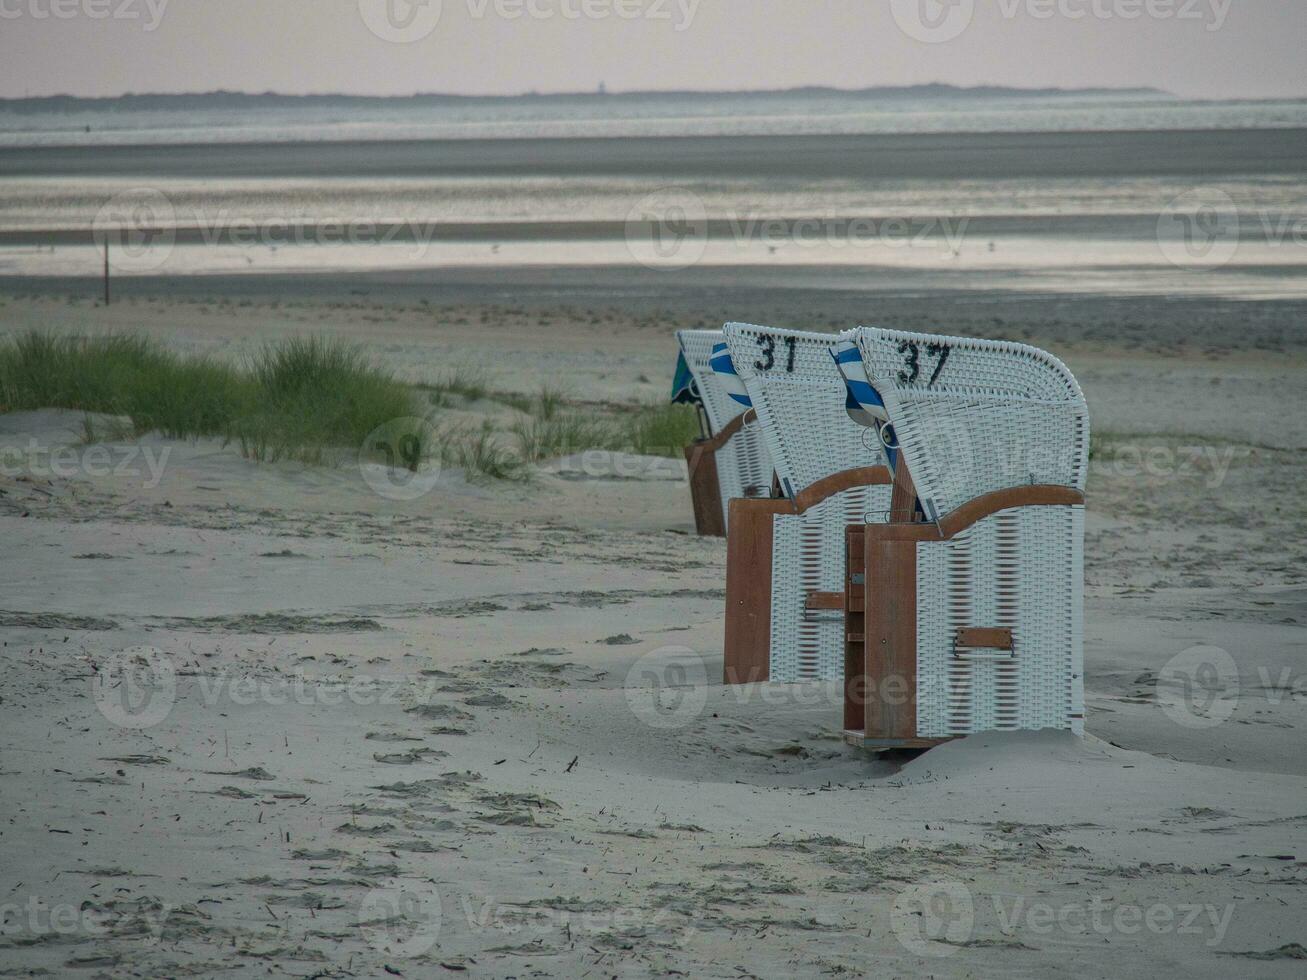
point(705, 492)
point(747, 650)
point(855, 646)
point(890, 695)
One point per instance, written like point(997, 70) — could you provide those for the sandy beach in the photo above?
point(309, 715)
point(482, 731)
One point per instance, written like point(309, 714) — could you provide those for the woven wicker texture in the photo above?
point(1020, 568)
point(744, 468)
point(973, 416)
point(799, 397)
point(697, 345)
point(808, 556)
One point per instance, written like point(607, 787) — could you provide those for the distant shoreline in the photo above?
point(222, 99)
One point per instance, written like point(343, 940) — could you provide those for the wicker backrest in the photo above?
point(974, 416)
point(799, 397)
point(697, 347)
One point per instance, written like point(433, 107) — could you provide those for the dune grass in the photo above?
point(482, 457)
point(550, 427)
point(118, 375)
point(462, 381)
point(312, 394)
point(549, 402)
point(567, 432)
point(660, 429)
point(310, 398)
point(296, 399)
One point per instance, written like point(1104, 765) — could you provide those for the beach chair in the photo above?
point(964, 612)
point(785, 555)
point(729, 460)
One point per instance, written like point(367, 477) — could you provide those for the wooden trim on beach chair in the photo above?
point(747, 651)
point(815, 601)
point(880, 709)
point(716, 441)
point(705, 491)
point(855, 608)
point(748, 589)
point(864, 476)
point(889, 649)
point(903, 501)
point(983, 638)
point(701, 466)
point(956, 521)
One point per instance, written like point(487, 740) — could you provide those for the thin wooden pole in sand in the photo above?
point(106, 270)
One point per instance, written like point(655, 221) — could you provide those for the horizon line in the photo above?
point(602, 92)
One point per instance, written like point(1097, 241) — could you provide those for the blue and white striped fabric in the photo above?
point(862, 401)
point(720, 362)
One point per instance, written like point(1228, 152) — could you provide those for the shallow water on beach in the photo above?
point(73, 203)
point(670, 114)
point(1075, 236)
point(993, 212)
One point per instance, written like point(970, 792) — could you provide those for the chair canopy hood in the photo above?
point(800, 400)
point(974, 416)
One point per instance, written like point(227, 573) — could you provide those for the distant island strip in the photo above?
point(162, 101)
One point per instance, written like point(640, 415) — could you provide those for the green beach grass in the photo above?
point(293, 400)
point(309, 399)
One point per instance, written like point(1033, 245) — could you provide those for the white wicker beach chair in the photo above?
point(785, 560)
point(731, 461)
point(969, 617)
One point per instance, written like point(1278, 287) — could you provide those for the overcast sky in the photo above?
point(1199, 48)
